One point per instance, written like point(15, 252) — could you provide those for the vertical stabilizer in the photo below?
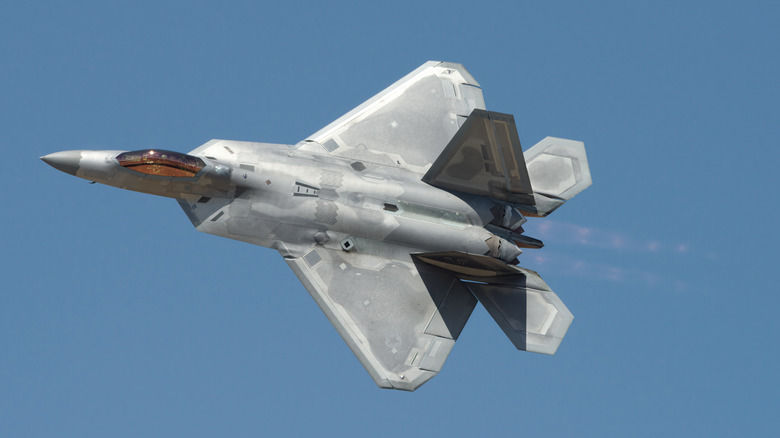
point(484, 158)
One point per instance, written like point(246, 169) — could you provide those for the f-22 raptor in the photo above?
point(397, 218)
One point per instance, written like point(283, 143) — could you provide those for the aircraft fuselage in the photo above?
point(288, 199)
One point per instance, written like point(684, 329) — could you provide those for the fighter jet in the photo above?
point(397, 217)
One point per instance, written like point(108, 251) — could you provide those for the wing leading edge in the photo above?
point(409, 123)
point(399, 317)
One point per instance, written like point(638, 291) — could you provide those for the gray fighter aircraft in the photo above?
point(397, 217)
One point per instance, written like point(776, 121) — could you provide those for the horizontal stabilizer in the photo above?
point(529, 313)
point(559, 170)
point(484, 158)
point(527, 310)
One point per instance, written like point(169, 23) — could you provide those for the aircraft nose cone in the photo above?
point(66, 161)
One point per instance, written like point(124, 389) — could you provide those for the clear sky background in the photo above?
point(118, 319)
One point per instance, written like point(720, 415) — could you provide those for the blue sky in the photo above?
point(118, 319)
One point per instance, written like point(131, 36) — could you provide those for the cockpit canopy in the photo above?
point(161, 162)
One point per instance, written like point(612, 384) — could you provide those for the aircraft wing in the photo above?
point(400, 317)
point(409, 123)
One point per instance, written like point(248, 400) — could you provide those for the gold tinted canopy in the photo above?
point(161, 162)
